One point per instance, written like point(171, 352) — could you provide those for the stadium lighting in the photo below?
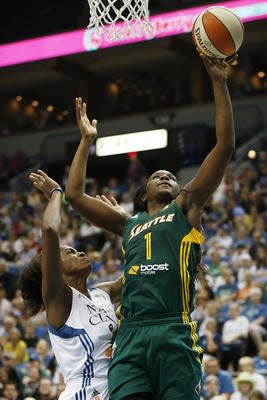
point(131, 142)
point(252, 154)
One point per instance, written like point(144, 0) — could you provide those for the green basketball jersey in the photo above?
point(161, 253)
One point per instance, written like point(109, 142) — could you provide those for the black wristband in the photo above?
point(56, 189)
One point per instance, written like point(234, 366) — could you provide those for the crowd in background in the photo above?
point(231, 305)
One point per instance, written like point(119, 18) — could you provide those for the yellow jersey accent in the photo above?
point(194, 336)
point(193, 237)
point(119, 315)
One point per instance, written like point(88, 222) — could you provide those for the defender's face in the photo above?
point(162, 184)
point(74, 261)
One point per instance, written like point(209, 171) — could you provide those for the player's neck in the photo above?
point(80, 285)
point(155, 207)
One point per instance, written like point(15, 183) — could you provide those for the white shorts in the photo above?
point(98, 390)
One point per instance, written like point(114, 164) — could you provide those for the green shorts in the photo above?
point(157, 356)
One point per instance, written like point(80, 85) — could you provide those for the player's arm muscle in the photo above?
point(57, 295)
point(113, 288)
point(213, 167)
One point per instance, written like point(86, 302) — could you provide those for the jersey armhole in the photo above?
point(193, 228)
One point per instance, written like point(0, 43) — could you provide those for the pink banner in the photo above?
point(83, 40)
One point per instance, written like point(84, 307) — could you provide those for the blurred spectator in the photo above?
point(221, 242)
point(109, 271)
point(246, 265)
point(66, 236)
point(210, 311)
point(199, 313)
point(42, 352)
point(214, 264)
point(244, 384)
point(136, 169)
point(245, 287)
point(30, 337)
point(8, 324)
point(227, 292)
point(260, 361)
point(245, 364)
point(256, 312)
point(234, 338)
point(17, 346)
point(242, 234)
point(211, 340)
point(10, 391)
point(31, 381)
point(34, 198)
point(256, 395)
point(211, 388)
point(14, 375)
point(126, 202)
point(46, 390)
point(212, 367)
point(5, 305)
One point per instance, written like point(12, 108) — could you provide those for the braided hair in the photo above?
point(30, 284)
point(139, 204)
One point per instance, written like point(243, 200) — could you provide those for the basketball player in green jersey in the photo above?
point(156, 352)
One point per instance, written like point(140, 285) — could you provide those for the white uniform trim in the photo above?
point(82, 346)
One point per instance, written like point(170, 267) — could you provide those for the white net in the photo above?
point(120, 18)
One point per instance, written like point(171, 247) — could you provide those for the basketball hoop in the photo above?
point(118, 19)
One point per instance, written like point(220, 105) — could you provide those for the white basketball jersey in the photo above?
point(82, 346)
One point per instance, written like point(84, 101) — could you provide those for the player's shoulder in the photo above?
point(100, 296)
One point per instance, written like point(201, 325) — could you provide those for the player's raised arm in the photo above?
point(56, 294)
point(99, 213)
point(213, 167)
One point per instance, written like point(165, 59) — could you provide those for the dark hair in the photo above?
point(30, 284)
point(139, 205)
point(258, 394)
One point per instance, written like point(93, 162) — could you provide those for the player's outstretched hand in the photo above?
point(218, 70)
point(43, 182)
point(87, 128)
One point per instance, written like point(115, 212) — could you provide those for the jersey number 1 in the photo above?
point(148, 245)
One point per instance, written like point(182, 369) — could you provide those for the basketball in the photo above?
point(218, 32)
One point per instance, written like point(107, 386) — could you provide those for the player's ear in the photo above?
point(144, 198)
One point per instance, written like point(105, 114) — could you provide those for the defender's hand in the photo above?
point(87, 129)
point(43, 182)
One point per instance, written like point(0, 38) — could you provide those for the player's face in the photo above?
point(163, 185)
point(73, 261)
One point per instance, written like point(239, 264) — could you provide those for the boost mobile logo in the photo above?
point(153, 268)
point(133, 270)
point(148, 269)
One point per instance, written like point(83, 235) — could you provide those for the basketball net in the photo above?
point(118, 19)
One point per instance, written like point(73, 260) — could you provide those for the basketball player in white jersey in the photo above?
point(81, 323)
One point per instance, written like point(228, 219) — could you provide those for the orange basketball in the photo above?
point(218, 32)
